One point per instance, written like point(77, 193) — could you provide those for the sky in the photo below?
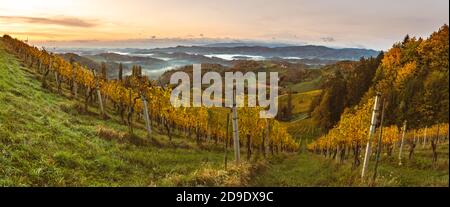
point(344, 23)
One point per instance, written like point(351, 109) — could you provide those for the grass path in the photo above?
point(313, 170)
point(304, 170)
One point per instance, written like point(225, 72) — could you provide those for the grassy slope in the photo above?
point(300, 101)
point(306, 86)
point(314, 170)
point(303, 130)
point(43, 143)
point(301, 126)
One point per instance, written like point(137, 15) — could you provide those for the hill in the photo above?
point(45, 140)
point(307, 51)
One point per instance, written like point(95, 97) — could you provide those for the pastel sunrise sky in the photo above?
point(344, 23)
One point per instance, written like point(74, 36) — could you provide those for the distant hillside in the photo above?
point(112, 67)
point(179, 57)
point(288, 73)
point(114, 57)
point(72, 57)
point(308, 51)
point(247, 44)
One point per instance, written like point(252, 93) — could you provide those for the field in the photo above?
point(300, 101)
point(46, 140)
point(305, 86)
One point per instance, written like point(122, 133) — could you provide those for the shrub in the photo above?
point(111, 134)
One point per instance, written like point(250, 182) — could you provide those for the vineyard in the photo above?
point(410, 108)
point(383, 119)
point(48, 140)
point(135, 98)
point(341, 144)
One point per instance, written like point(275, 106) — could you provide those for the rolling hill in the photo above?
point(46, 141)
point(302, 52)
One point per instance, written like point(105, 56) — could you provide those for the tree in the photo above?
point(289, 106)
point(103, 71)
point(120, 72)
point(332, 103)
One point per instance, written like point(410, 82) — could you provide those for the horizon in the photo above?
point(343, 24)
point(171, 43)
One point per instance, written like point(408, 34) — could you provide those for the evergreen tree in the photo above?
point(120, 72)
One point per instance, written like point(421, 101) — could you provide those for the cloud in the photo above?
point(328, 39)
point(40, 34)
point(62, 21)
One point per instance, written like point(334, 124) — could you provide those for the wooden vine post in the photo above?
point(266, 137)
point(424, 138)
point(99, 96)
point(57, 81)
point(237, 152)
point(146, 116)
point(75, 84)
point(226, 140)
point(379, 147)
point(401, 144)
point(373, 124)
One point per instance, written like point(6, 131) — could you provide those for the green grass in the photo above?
point(303, 129)
point(300, 101)
point(301, 126)
point(306, 85)
point(45, 142)
point(299, 170)
point(308, 169)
